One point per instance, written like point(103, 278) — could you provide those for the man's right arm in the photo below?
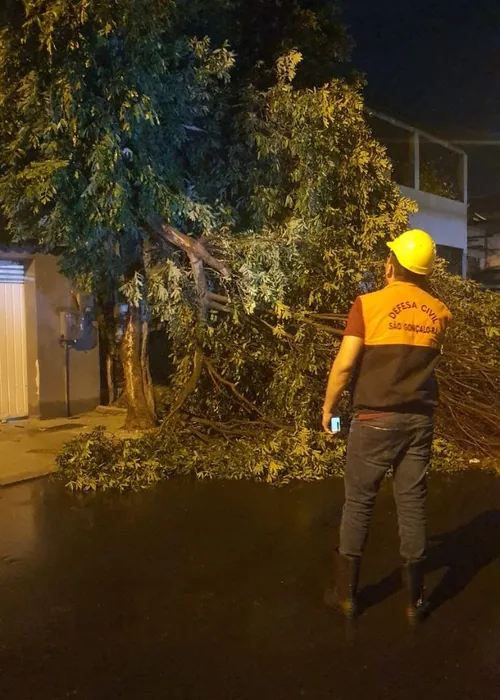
point(347, 357)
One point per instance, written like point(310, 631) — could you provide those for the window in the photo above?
point(11, 272)
point(454, 257)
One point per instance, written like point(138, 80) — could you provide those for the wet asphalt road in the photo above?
point(214, 590)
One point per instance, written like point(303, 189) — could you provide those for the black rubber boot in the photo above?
point(413, 579)
point(342, 596)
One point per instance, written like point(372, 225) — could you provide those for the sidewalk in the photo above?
point(28, 448)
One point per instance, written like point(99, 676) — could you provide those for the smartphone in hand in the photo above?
point(335, 424)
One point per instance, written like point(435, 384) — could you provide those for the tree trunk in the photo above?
point(146, 374)
point(141, 414)
point(110, 378)
point(107, 350)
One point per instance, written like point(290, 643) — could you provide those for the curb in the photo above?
point(19, 478)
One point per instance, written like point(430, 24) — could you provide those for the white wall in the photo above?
point(53, 294)
point(444, 219)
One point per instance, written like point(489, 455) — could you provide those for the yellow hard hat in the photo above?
point(415, 250)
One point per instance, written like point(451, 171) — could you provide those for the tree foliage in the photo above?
point(321, 208)
point(127, 146)
point(99, 461)
point(98, 102)
point(261, 31)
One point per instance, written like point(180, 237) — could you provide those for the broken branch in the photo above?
point(244, 401)
point(191, 246)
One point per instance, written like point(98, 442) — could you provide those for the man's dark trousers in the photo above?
point(399, 440)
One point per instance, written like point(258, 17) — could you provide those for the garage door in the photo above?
point(13, 363)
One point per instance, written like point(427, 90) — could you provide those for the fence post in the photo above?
point(416, 160)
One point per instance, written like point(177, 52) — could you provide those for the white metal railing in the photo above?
point(414, 141)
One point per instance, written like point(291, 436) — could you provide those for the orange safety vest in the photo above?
point(403, 328)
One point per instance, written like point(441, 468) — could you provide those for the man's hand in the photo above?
point(326, 421)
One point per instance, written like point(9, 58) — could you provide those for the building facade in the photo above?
point(432, 173)
point(484, 242)
point(42, 372)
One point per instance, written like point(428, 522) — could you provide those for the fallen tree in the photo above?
point(468, 373)
point(219, 425)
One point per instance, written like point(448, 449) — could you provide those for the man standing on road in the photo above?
point(391, 345)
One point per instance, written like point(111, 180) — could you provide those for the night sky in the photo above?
point(435, 64)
